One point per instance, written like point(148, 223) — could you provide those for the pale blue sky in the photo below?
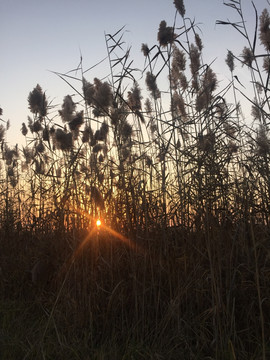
point(37, 36)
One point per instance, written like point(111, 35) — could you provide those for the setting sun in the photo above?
point(98, 223)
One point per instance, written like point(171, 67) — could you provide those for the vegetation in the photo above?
point(179, 267)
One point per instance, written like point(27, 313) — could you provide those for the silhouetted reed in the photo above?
point(181, 184)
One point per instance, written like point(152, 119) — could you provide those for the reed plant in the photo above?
point(179, 267)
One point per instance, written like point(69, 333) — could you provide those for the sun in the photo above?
point(98, 222)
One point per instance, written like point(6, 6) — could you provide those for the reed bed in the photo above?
point(180, 178)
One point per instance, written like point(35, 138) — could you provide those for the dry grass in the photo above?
point(188, 294)
point(179, 267)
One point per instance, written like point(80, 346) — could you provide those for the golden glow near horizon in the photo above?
point(98, 222)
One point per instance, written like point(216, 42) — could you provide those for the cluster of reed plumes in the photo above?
point(181, 174)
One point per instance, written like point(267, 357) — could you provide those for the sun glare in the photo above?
point(98, 223)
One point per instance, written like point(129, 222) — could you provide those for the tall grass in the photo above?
point(179, 267)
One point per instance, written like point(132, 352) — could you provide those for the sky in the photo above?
point(39, 37)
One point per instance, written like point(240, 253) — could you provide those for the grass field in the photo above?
point(179, 177)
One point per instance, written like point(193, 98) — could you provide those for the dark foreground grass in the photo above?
point(186, 296)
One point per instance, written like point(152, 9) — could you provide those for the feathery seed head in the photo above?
point(195, 83)
point(97, 136)
point(10, 154)
point(230, 60)
point(152, 85)
point(76, 122)
point(104, 130)
point(183, 81)
point(13, 181)
point(198, 42)
point(28, 155)
point(247, 56)
point(153, 128)
point(68, 108)
point(202, 101)
point(126, 130)
point(115, 116)
point(125, 153)
point(259, 87)
point(63, 140)
point(256, 111)
point(30, 124)
point(103, 97)
point(39, 167)
point(206, 142)
point(179, 59)
point(209, 80)
point(24, 129)
point(178, 104)
point(86, 134)
point(232, 147)
point(52, 130)
point(40, 148)
point(263, 142)
point(194, 59)
point(180, 7)
point(165, 34)
point(118, 114)
point(134, 97)
point(88, 91)
point(174, 78)
point(37, 101)
point(148, 161)
point(2, 132)
point(148, 106)
point(36, 127)
point(46, 134)
point(266, 64)
point(10, 171)
point(178, 65)
point(229, 129)
point(162, 153)
point(145, 50)
point(264, 30)
point(101, 159)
